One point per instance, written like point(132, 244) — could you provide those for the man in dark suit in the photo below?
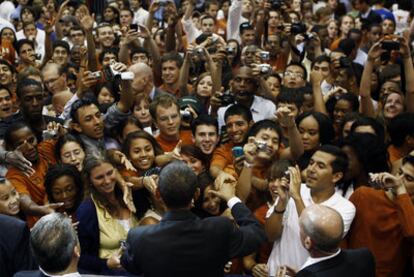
point(321, 229)
point(14, 246)
point(183, 244)
point(55, 246)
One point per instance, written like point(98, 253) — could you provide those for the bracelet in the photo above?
point(247, 164)
point(279, 212)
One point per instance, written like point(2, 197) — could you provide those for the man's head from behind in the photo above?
point(321, 230)
point(177, 185)
point(143, 78)
point(54, 244)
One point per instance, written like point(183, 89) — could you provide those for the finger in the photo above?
point(55, 205)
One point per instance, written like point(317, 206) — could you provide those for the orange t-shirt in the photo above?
point(186, 137)
point(34, 185)
point(223, 158)
point(385, 227)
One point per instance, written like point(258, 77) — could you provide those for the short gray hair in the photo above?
point(52, 241)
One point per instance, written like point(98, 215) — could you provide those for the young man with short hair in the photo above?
point(326, 168)
point(166, 113)
point(170, 73)
point(205, 133)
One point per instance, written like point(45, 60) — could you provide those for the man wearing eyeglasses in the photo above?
point(294, 76)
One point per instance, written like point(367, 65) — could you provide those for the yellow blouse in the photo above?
point(111, 230)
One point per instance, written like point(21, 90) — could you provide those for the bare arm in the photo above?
point(86, 23)
point(367, 107)
point(184, 74)
point(409, 73)
point(318, 103)
point(127, 97)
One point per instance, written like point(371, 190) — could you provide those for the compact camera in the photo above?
point(227, 98)
point(265, 55)
point(111, 73)
point(265, 68)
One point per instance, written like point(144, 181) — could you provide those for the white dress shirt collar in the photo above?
point(310, 261)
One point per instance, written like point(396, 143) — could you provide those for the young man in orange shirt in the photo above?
point(166, 113)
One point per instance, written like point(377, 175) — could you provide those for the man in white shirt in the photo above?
point(326, 168)
point(140, 14)
point(243, 87)
point(34, 34)
point(55, 246)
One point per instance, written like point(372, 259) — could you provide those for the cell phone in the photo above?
point(237, 151)
point(134, 27)
point(390, 45)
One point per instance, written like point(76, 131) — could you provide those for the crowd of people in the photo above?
point(301, 110)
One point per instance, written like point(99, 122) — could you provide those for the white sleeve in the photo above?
point(348, 214)
point(190, 30)
point(234, 20)
point(68, 106)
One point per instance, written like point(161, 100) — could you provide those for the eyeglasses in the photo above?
point(294, 74)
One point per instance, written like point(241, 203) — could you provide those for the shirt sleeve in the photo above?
point(234, 20)
point(114, 116)
point(190, 30)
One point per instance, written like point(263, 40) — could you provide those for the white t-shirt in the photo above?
point(288, 250)
point(261, 108)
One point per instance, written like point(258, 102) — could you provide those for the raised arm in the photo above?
point(234, 19)
point(58, 28)
point(185, 72)
point(295, 149)
point(318, 102)
point(409, 73)
point(86, 22)
point(367, 107)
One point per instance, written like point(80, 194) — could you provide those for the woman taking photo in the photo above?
point(104, 219)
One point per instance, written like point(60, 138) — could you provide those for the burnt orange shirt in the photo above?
point(33, 186)
point(176, 92)
point(186, 137)
point(264, 250)
point(385, 227)
point(223, 158)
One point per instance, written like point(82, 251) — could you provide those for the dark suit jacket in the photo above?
point(14, 246)
point(184, 245)
point(352, 262)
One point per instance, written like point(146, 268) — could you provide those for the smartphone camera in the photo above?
point(237, 151)
point(134, 27)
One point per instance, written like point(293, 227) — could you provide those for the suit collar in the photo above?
point(178, 215)
point(325, 264)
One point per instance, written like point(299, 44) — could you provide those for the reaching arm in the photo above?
point(367, 107)
point(318, 102)
point(409, 73)
point(86, 23)
point(184, 74)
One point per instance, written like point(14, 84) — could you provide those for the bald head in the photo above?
point(324, 226)
point(141, 69)
point(143, 78)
